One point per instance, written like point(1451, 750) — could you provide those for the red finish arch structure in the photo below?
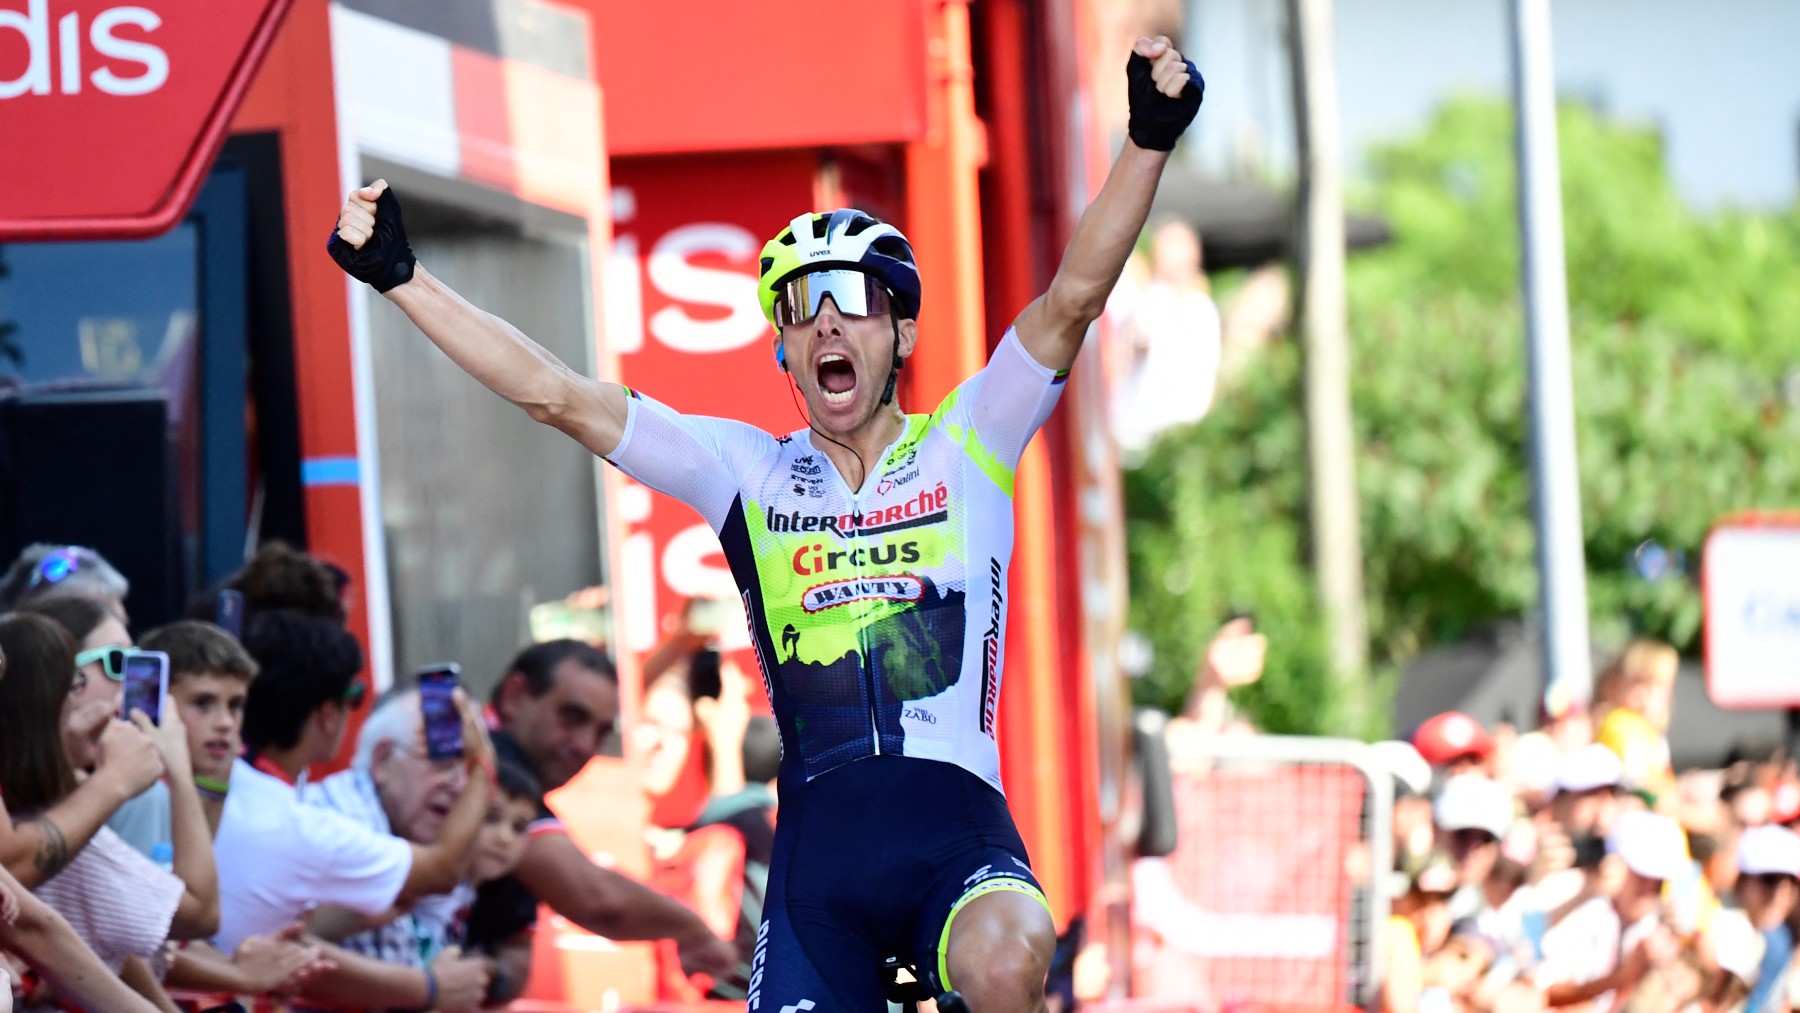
point(111, 114)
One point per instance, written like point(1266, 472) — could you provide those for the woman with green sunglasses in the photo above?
point(102, 641)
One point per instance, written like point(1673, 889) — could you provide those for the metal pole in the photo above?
point(1556, 490)
point(1324, 325)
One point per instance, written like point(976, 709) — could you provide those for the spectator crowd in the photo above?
point(1565, 867)
point(191, 862)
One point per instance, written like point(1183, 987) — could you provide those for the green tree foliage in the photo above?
point(1686, 338)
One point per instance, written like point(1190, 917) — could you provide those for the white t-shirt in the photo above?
point(278, 858)
point(1583, 947)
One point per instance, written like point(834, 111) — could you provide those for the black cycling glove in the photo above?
point(385, 260)
point(1156, 119)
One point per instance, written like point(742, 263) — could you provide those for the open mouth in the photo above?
point(837, 379)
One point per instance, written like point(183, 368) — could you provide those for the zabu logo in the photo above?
point(121, 64)
point(904, 587)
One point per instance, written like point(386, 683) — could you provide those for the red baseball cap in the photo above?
point(1450, 735)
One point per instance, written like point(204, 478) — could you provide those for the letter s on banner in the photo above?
point(731, 290)
point(155, 61)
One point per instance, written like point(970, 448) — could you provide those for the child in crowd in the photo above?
point(500, 843)
point(499, 847)
point(209, 680)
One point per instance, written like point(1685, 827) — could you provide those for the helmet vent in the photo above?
point(819, 225)
point(892, 246)
point(786, 237)
point(767, 262)
point(858, 225)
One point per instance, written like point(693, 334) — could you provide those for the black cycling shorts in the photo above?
point(874, 859)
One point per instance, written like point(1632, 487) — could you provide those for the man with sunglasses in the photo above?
point(872, 550)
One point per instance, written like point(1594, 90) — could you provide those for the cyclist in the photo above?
point(871, 549)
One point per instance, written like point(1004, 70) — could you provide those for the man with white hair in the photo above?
point(393, 786)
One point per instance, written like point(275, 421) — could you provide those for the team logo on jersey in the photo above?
point(900, 587)
point(817, 558)
point(890, 481)
point(928, 507)
point(806, 464)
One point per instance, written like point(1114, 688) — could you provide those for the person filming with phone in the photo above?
point(122, 904)
point(405, 779)
point(279, 858)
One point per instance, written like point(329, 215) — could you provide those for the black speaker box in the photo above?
point(96, 468)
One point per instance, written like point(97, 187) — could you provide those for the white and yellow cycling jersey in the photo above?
point(878, 614)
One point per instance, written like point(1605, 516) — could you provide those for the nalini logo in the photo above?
point(889, 482)
point(904, 587)
point(63, 66)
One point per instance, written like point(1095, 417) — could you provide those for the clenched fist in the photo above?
point(1165, 91)
point(369, 242)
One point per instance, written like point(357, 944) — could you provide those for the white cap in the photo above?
point(1652, 845)
point(1404, 762)
point(1533, 763)
point(1737, 945)
point(1473, 802)
point(1585, 769)
point(1769, 849)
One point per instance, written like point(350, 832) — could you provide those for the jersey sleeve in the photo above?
point(1000, 408)
point(697, 459)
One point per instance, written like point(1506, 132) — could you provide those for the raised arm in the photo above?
point(611, 904)
point(437, 867)
point(370, 244)
point(1165, 93)
point(197, 917)
point(35, 849)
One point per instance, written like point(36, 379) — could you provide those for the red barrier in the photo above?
point(1253, 910)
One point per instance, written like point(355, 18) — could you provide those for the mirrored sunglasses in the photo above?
point(854, 293)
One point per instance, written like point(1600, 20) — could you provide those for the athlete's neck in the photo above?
point(857, 452)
